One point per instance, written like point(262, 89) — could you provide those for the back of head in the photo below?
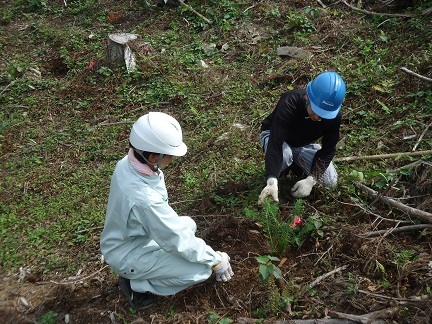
point(326, 94)
point(158, 132)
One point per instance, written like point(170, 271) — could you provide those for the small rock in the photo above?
point(294, 52)
point(202, 64)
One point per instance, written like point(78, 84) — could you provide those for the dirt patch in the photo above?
point(372, 272)
point(94, 297)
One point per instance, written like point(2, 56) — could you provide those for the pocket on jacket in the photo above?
point(136, 265)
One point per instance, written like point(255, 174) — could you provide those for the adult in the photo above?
point(289, 133)
point(153, 250)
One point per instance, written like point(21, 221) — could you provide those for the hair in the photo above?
point(138, 156)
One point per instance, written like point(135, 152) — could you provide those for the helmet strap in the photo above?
point(155, 164)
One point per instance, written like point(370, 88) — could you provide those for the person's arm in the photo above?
point(325, 155)
point(282, 120)
point(167, 229)
point(162, 224)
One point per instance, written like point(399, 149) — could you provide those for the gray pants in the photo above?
point(303, 157)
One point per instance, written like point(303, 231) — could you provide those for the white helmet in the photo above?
point(158, 132)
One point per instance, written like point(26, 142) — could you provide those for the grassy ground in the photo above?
point(66, 113)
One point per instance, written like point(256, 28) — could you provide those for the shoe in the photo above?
point(137, 300)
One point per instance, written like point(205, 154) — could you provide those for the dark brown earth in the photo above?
point(94, 296)
point(359, 288)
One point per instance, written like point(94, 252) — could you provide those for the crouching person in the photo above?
point(152, 249)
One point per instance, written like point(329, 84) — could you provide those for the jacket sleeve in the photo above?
point(282, 120)
point(168, 230)
point(325, 155)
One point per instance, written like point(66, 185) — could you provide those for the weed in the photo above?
point(267, 268)
point(352, 286)
point(170, 312)
point(300, 23)
point(48, 318)
point(133, 311)
point(278, 301)
point(215, 319)
point(284, 234)
point(404, 257)
point(384, 282)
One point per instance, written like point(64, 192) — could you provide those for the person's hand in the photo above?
point(271, 190)
point(223, 270)
point(303, 187)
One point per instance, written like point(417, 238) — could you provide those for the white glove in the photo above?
point(303, 187)
point(223, 270)
point(270, 190)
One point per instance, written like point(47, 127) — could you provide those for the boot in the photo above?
point(137, 300)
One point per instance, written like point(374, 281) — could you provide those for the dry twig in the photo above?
point(245, 320)
point(399, 300)
point(196, 12)
point(404, 69)
point(383, 156)
point(74, 281)
point(326, 275)
point(417, 213)
point(396, 230)
point(369, 317)
point(421, 136)
point(424, 13)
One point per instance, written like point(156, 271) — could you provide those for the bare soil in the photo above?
point(361, 287)
point(94, 297)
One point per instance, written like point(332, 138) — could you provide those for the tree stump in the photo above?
point(118, 51)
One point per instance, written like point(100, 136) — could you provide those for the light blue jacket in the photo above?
point(139, 223)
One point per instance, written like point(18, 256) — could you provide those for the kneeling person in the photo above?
point(288, 135)
point(152, 249)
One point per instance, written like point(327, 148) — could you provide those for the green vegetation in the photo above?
point(48, 318)
point(66, 114)
point(267, 269)
point(215, 319)
point(279, 299)
point(290, 232)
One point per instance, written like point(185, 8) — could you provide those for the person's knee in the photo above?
point(287, 156)
point(189, 223)
point(330, 181)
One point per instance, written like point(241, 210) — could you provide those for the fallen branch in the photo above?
point(324, 276)
point(416, 213)
point(322, 4)
point(424, 12)
point(245, 320)
point(410, 165)
point(383, 156)
point(415, 299)
point(404, 69)
point(369, 317)
point(90, 229)
point(72, 281)
point(195, 12)
point(421, 136)
point(397, 230)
